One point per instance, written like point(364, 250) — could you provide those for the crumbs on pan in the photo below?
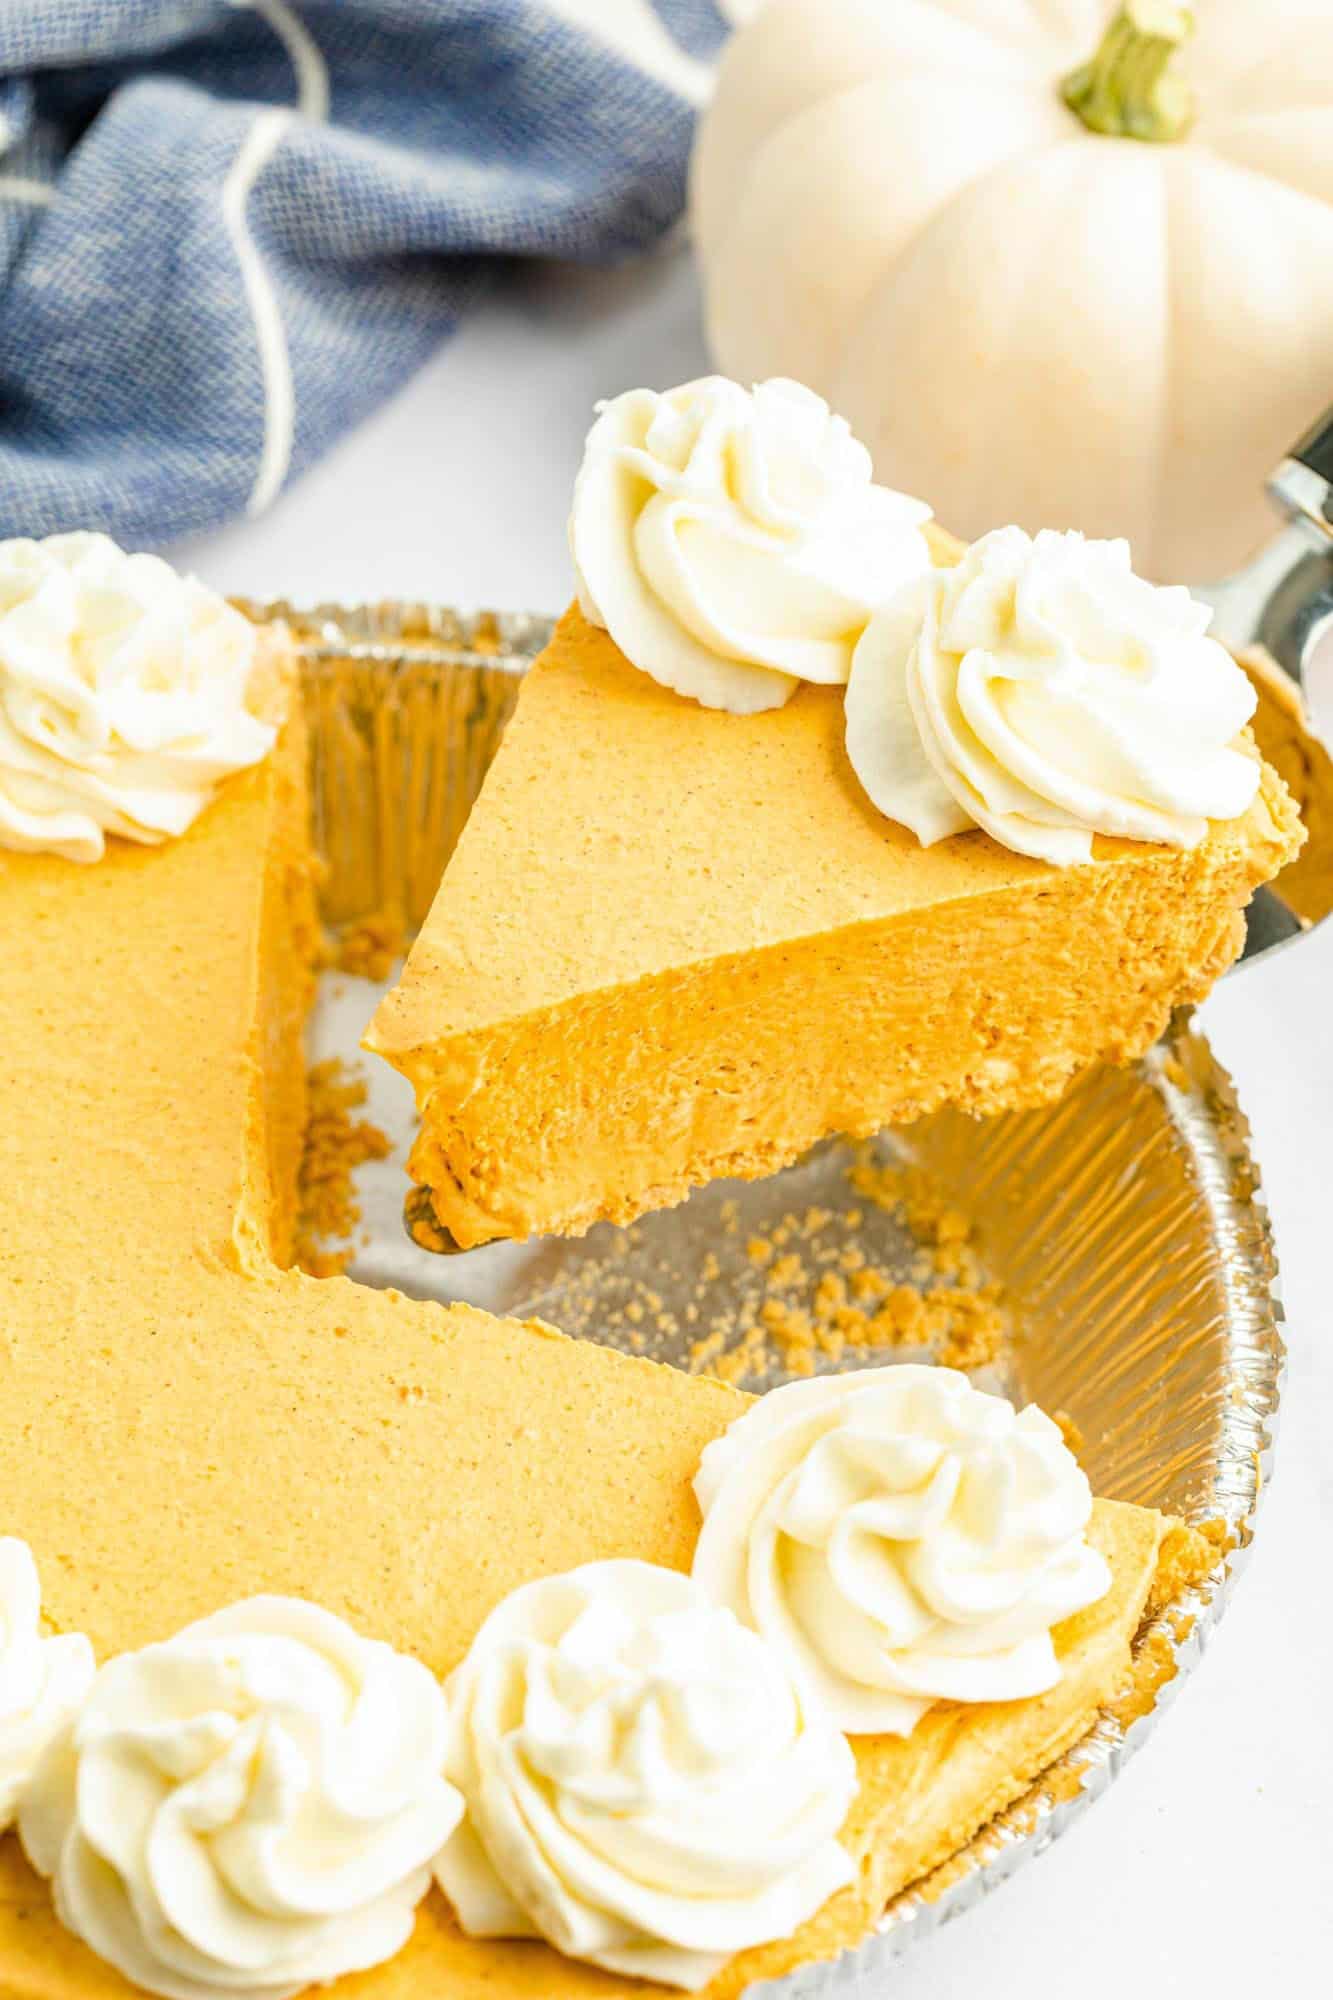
point(336, 1143)
point(801, 1312)
point(892, 1268)
point(371, 947)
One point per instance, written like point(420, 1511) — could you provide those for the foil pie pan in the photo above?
point(1124, 1228)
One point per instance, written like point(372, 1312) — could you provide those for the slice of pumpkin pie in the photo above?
point(712, 904)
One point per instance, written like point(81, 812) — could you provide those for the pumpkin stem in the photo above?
point(1126, 91)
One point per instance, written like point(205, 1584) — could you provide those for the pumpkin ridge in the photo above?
point(989, 30)
point(940, 69)
point(1170, 353)
point(740, 223)
point(974, 186)
point(1219, 153)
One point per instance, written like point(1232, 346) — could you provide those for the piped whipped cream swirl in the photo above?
point(122, 696)
point(646, 1788)
point(899, 1538)
point(1043, 691)
point(250, 1807)
point(43, 1679)
point(733, 542)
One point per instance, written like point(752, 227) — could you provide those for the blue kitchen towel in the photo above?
point(229, 228)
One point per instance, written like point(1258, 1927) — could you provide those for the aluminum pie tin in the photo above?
point(1124, 1227)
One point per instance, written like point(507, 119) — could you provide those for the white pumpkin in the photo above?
point(1025, 319)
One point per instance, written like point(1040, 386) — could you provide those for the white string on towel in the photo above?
point(261, 142)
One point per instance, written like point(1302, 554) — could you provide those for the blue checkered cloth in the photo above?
point(229, 228)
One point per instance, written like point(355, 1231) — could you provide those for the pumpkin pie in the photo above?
point(188, 1421)
point(676, 943)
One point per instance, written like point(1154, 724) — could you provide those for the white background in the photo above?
point(1208, 1868)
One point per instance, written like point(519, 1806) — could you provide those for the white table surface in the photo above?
point(1209, 1867)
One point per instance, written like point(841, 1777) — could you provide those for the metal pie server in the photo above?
point(1277, 613)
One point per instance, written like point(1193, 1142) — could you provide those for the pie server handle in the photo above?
point(1302, 485)
point(1296, 609)
point(1283, 603)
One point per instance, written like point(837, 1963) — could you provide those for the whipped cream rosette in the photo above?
point(123, 693)
point(250, 1807)
point(1044, 692)
point(733, 542)
point(43, 1678)
point(646, 1786)
point(899, 1538)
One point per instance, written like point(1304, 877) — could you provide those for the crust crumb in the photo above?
point(335, 1144)
point(943, 1230)
point(371, 947)
point(1189, 1553)
point(975, 1327)
point(809, 1303)
point(1154, 1666)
